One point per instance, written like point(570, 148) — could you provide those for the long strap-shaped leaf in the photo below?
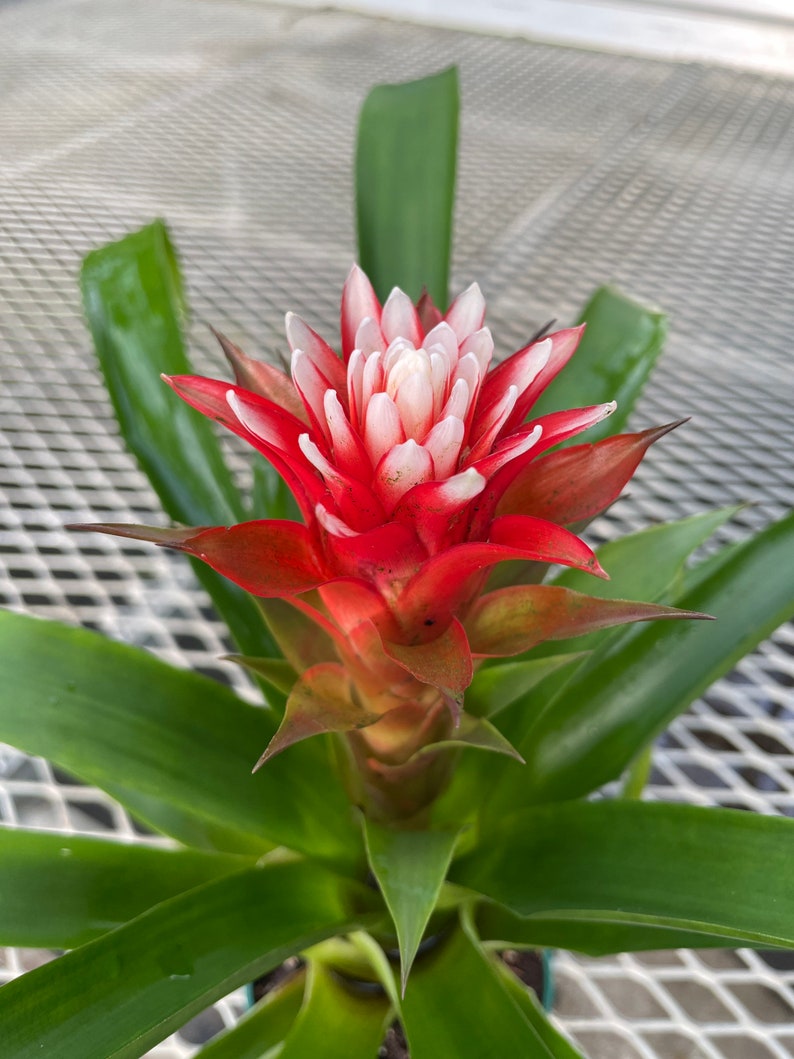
point(262, 1028)
point(594, 936)
point(405, 184)
point(125, 721)
point(119, 995)
point(133, 300)
point(457, 1005)
point(718, 871)
point(59, 891)
point(592, 730)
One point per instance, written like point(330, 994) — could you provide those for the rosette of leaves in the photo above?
point(396, 916)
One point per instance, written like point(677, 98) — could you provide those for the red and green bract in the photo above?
point(416, 467)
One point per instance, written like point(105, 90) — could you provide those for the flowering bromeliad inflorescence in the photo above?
point(417, 467)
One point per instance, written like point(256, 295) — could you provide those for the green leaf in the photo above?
point(558, 1046)
point(119, 995)
point(410, 867)
point(58, 891)
point(718, 871)
point(478, 776)
point(124, 721)
point(615, 357)
point(262, 1028)
point(405, 184)
point(134, 303)
point(495, 687)
point(626, 561)
point(477, 733)
point(612, 708)
point(501, 929)
point(276, 672)
point(457, 1005)
point(335, 1022)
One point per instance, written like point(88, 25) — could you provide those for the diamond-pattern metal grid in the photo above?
point(236, 122)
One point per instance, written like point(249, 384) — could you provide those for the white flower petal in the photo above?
point(466, 313)
point(492, 423)
point(439, 378)
point(349, 454)
point(311, 385)
point(382, 427)
point(443, 443)
point(411, 362)
point(399, 318)
point(481, 345)
point(401, 468)
point(458, 400)
point(469, 369)
point(414, 400)
point(372, 379)
point(332, 523)
point(355, 380)
point(369, 337)
point(443, 335)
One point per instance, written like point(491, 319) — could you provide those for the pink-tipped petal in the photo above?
point(491, 424)
point(372, 379)
point(348, 451)
point(262, 378)
point(414, 400)
point(563, 346)
point(311, 384)
point(559, 426)
point(436, 510)
point(383, 427)
point(354, 500)
point(401, 468)
point(328, 363)
point(513, 454)
point(444, 337)
point(443, 443)
point(469, 369)
point(358, 301)
point(439, 375)
point(458, 402)
point(369, 337)
point(399, 318)
point(574, 484)
point(519, 371)
point(481, 345)
point(270, 429)
point(355, 382)
point(512, 448)
point(467, 312)
point(513, 620)
point(531, 369)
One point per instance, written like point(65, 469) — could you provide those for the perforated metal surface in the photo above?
point(235, 121)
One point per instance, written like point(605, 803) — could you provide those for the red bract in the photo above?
point(416, 467)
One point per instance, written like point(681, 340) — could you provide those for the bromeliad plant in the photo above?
point(419, 803)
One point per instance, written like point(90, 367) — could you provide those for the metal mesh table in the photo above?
point(235, 121)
